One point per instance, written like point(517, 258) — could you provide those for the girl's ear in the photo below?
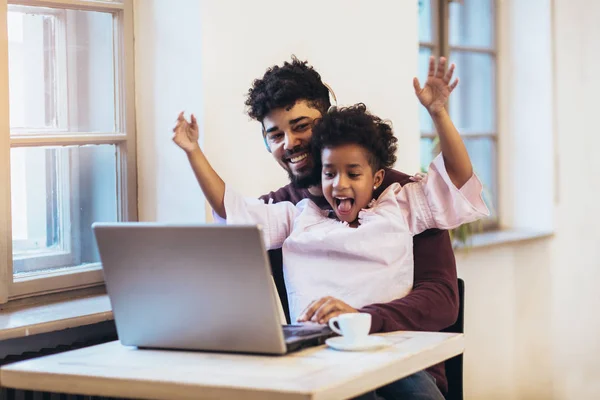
point(378, 178)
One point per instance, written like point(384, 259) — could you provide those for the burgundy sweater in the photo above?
point(432, 305)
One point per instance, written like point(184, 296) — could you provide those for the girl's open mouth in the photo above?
point(344, 205)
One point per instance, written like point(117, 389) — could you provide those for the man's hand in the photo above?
point(186, 133)
point(434, 95)
point(324, 309)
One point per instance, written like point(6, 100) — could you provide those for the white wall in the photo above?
point(230, 43)
point(532, 331)
point(531, 323)
point(576, 267)
point(525, 115)
point(168, 80)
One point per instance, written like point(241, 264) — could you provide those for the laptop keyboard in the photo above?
point(300, 330)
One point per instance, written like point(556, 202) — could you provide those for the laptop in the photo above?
point(196, 287)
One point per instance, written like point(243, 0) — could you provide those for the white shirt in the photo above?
point(372, 263)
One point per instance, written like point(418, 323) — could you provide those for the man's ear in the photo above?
point(266, 142)
point(264, 135)
point(378, 178)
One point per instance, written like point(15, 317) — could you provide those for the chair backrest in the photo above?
point(276, 260)
point(454, 366)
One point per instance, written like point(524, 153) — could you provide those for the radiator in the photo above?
point(22, 349)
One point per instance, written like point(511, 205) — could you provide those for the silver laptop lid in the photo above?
point(190, 287)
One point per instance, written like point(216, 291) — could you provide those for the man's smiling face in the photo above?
point(288, 132)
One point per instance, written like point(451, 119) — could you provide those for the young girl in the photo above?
point(361, 250)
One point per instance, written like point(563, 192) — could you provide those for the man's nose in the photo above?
point(291, 141)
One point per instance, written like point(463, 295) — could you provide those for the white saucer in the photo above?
point(370, 343)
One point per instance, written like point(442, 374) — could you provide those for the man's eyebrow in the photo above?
point(292, 122)
point(272, 129)
point(296, 120)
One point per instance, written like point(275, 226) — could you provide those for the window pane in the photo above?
point(57, 193)
point(472, 23)
point(425, 21)
point(425, 122)
point(32, 90)
point(61, 70)
point(427, 153)
point(472, 104)
point(483, 156)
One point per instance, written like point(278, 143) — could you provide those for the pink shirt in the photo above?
point(369, 264)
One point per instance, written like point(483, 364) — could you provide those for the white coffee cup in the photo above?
point(354, 327)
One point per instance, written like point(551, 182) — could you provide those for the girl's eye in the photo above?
point(353, 175)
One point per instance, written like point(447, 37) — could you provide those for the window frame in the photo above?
point(440, 46)
point(124, 139)
point(68, 253)
point(62, 73)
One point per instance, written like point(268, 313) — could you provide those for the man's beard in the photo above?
point(312, 175)
point(311, 178)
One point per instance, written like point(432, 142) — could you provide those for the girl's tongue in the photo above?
point(344, 206)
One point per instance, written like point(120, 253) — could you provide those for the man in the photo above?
point(287, 100)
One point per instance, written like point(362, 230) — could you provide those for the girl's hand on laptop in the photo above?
point(434, 95)
point(186, 133)
point(322, 310)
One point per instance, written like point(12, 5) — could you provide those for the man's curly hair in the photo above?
point(355, 125)
point(283, 86)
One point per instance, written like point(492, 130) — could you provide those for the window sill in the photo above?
point(502, 237)
point(21, 320)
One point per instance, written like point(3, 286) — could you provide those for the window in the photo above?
point(465, 33)
point(68, 139)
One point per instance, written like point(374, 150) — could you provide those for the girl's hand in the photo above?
point(434, 96)
point(186, 133)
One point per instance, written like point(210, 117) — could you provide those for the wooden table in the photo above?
point(318, 373)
